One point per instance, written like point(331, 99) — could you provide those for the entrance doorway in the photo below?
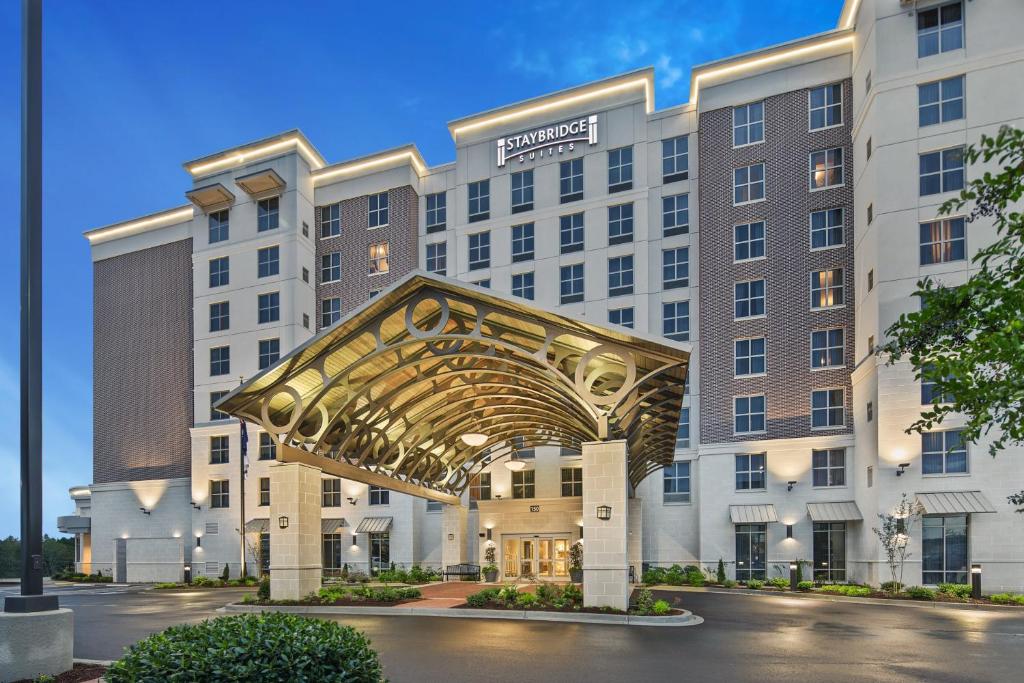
point(533, 556)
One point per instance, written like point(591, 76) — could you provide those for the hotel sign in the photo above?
point(548, 141)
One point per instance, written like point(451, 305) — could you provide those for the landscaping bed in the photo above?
point(79, 577)
point(78, 674)
point(207, 582)
point(338, 596)
point(554, 598)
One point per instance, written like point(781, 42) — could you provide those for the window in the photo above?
point(522, 285)
point(268, 448)
point(748, 239)
point(570, 180)
point(523, 484)
point(218, 225)
point(940, 101)
point(270, 352)
point(268, 307)
point(676, 483)
point(220, 360)
point(480, 487)
point(219, 450)
point(330, 311)
point(480, 250)
point(620, 224)
point(330, 267)
point(747, 124)
point(675, 159)
point(825, 106)
point(683, 430)
point(871, 279)
point(522, 191)
point(378, 208)
point(827, 288)
point(571, 278)
point(571, 233)
point(871, 213)
point(827, 409)
point(826, 228)
point(219, 271)
point(867, 83)
point(675, 320)
point(572, 481)
point(379, 263)
point(437, 258)
point(330, 220)
point(215, 414)
point(380, 552)
point(305, 229)
point(522, 242)
point(944, 549)
point(869, 409)
point(620, 275)
point(940, 29)
point(620, 169)
point(942, 171)
point(828, 467)
point(332, 553)
point(943, 241)
point(943, 453)
point(749, 414)
point(870, 476)
point(675, 267)
point(827, 168)
point(749, 299)
point(827, 348)
point(929, 391)
point(305, 274)
point(267, 214)
point(331, 492)
point(264, 491)
point(748, 184)
point(220, 316)
point(750, 356)
point(379, 496)
point(621, 316)
point(829, 551)
point(479, 200)
point(675, 215)
point(867, 149)
point(219, 494)
point(751, 544)
point(437, 212)
point(305, 320)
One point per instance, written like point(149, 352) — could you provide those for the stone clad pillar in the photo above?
point(453, 538)
point(605, 543)
point(295, 552)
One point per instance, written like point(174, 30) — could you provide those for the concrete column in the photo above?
point(295, 552)
point(605, 543)
point(636, 536)
point(453, 539)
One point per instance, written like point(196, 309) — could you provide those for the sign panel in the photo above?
point(548, 141)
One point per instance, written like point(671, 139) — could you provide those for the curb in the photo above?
point(97, 662)
point(685, 619)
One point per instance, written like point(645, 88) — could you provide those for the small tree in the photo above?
point(894, 534)
point(489, 556)
point(226, 574)
point(720, 576)
point(576, 556)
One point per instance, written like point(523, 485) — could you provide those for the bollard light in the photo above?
point(793, 566)
point(976, 581)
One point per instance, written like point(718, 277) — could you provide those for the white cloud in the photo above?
point(668, 75)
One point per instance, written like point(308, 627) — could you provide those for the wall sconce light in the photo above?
point(790, 485)
point(353, 501)
point(789, 531)
point(355, 540)
point(282, 522)
point(901, 468)
point(146, 512)
point(488, 533)
point(604, 512)
point(497, 496)
point(199, 541)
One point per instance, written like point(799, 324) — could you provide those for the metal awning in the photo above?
point(257, 526)
point(385, 395)
point(332, 525)
point(211, 197)
point(954, 502)
point(265, 183)
point(374, 525)
point(752, 514)
point(841, 511)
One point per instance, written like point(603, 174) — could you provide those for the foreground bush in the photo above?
point(756, 584)
point(847, 590)
point(779, 582)
point(805, 585)
point(548, 596)
point(956, 590)
point(1007, 599)
point(919, 593)
point(251, 647)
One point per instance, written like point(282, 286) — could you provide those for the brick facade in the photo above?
point(788, 322)
point(142, 364)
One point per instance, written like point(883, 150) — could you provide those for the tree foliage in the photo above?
point(58, 555)
point(893, 533)
point(969, 340)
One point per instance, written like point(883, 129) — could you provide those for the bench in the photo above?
point(462, 570)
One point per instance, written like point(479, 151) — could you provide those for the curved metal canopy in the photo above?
point(392, 387)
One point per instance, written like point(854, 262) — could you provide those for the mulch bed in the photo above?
point(571, 610)
point(79, 673)
point(336, 603)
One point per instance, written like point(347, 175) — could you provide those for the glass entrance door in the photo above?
point(535, 557)
point(561, 557)
point(527, 559)
point(511, 557)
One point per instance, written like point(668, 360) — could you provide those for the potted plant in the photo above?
point(490, 569)
point(576, 562)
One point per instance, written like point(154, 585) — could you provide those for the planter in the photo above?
point(491, 575)
point(576, 575)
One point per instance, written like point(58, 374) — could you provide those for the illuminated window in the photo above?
point(480, 487)
point(827, 288)
point(943, 241)
point(379, 258)
point(826, 168)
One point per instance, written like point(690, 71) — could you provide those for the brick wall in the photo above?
point(787, 326)
point(142, 364)
point(354, 242)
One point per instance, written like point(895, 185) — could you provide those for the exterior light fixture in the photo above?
point(790, 485)
point(282, 522)
point(199, 541)
point(146, 512)
point(352, 501)
point(197, 507)
point(514, 463)
point(604, 512)
point(789, 531)
point(793, 567)
point(188, 574)
point(355, 540)
point(488, 533)
point(473, 439)
point(901, 468)
point(976, 581)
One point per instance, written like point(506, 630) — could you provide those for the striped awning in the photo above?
point(841, 511)
point(753, 514)
point(374, 525)
point(332, 525)
point(257, 526)
point(954, 502)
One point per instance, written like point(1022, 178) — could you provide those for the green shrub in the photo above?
point(779, 582)
point(483, 598)
point(548, 593)
point(250, 647)
point(572, 595)
point(755, 584)
point(165, 584)
point(1007, 599)
point(689, 569)
point(675, 576)
point(920, 593)
point(661, 608)
point(654, 576)
point(202, 581)
point(804, 585)
point(961, 591)
point(508, 593)
point(847, 590)
point(720, 573)
point(729, 583)
point(695, 578)
point(891, 587)
point(263, 592)
point(226, 574)
point(644, 601)
point(526, 600)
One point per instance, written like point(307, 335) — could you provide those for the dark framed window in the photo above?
point(331, 497)
point(570, 180)
point(683, 430)
point(269, 352)
point(751, 551)
point(330, 311)
point(748, 184)
point(620, 275)
point(219, 271)
point(378, 207)
point(829, 551)
point(828, 408)
point(749, 299)
point(268, 261)
point(828, 467)
point(570, 233)
point(675, 320)
point(676, 483)
point(330, 220)
point(620, 223)
point(675, 215)
point(940, 101)
point(749, 414)
point(380, 552)
point(268, 307)
point(827, 288)
point(220, 493)
point(437, 258)
point(943, 241)
point(675, 267)
point(220, 360)
point(330, 267)
point(218, 226)
point(748, 241)
point(480, 250)
point(480, 487)
point(826, 168)
point(825, 106)
point(220, 451)
point(215, 414)
point(620, 169)
point(621, 316)
point(675, 159)
point(437, 212)
point(332, 556)
point(751, 474)
point(220, 316)
point(944, 549)
point(571, 283)
point(264, 491)
point(826, 228)
point(522, 242)
point(379, 496)
point(268, 447)
point(523, 484)
point(747, 124)
point(828, 348)
point(479, 200)
point(941, 171)
point(522, 285)
point(750, 356)
point(522, 191)
point(572, 482)
point(267, 212)
point(940, 29)
point(943, 453)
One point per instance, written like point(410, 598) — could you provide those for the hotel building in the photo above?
point(777, 223)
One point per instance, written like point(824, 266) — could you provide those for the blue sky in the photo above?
point(133, 89)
